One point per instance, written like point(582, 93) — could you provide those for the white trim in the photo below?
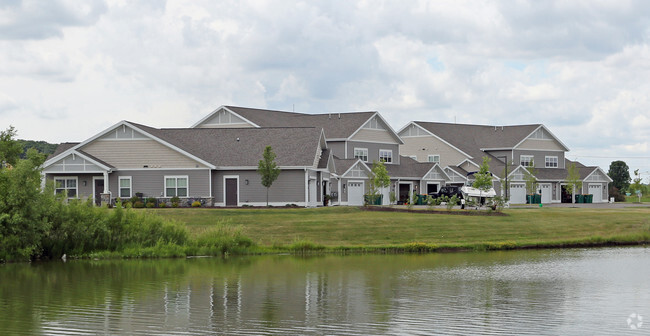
point(165, 177)
point(363, 189)
point(66, 178)
point(391, 155)
point(470, 161)
point(549, 132)
point(224, 187)
point(376, 114)
point(456, 172)
point(95, 178)
point(354, 154)
point(119, 186)
point(376, 142)
point(433, 156)
point(539, 150)
point(437, 137)
point(227, 109)
point(602, 173)
point(352, 166)
point(557, 161)
point(74, 151)
point(531, 157)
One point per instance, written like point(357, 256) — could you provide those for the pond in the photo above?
point(541, 292)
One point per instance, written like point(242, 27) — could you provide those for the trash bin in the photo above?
point(530, 199)
point(580, 198)
point(422, 200)
point(377, 199)
point(538, 199)
point(589, 198)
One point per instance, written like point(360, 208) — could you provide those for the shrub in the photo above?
point(221, 239)
point(134, 199)
point(151, 205)
point(614, 192)
point(162, 205)
point(138, 204)
point(452, 202)
point(196, 204)
point(175, 201)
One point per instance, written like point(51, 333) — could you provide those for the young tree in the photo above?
point(531, 180)
point(379, 179)
point(637, 186)
point(619, 172)
point(483, 179)
point(573, 181)
point(268, 169)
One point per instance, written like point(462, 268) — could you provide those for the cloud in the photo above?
point(35, 20)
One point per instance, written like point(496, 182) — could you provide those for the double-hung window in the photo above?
point(66, 186)
point(176, 186)
point(526, 160)
point(433, 158)
point(386, 155)
point(361, 153)
point(551, 162)
point(125, 187)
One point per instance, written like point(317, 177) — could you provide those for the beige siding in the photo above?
point(138, 153)
point(374, 135)
point(540, 144)
point(433, 146)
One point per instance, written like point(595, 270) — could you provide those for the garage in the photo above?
point(517, 193)
point(597, 191)
point(546, 193)
point(355, 193)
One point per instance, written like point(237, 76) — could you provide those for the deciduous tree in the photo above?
point(619, 172)
point(268, 169)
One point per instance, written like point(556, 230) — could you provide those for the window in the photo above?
point(361, 153)
point(176, 186)
point(434, 158)
point(526, 160)
point(66, 186)
point(551, 162)
point(125, 187)
point(386, 155)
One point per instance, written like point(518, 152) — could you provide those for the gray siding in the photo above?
point(500, 154)
point(337, 148)
point(373, 150)
point(539, 157)
point(83, 191)
point(152, 182)
point(288, 188)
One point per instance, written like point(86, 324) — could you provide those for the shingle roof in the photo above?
point(96, 159)
point(336, 125)
point(243, 147)
point(62, 147)
point(471, 138)
point(409, 167)
point(342, 165)
point(324, 159)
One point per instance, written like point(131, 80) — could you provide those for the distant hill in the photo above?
point(41, 146)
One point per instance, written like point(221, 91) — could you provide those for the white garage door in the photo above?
point(355, 193)
point(597, 191)
point(546, 193)
point(517, 193)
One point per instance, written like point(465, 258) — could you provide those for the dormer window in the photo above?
point(526, 160)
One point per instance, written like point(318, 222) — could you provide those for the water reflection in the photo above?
point(572, 292)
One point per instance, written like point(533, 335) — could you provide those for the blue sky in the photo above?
point(69, 69)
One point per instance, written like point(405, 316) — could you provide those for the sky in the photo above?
point(70, 69)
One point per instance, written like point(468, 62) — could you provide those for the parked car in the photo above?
point(448, 191)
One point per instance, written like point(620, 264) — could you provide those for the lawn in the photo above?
point(352, 227)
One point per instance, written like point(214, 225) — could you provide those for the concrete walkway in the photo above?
point(618, 205)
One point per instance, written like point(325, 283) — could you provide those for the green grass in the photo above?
point(350, 229)
point(645, 198)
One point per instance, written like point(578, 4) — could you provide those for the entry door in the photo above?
point(231, 192)
point(546, 193)
point(355, 193)
point(99, 189)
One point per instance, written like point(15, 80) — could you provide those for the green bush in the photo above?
point(150, 205)
point(138, 205)
point(196, 204)
point(162, 205)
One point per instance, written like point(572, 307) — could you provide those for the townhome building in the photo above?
point(514, 152)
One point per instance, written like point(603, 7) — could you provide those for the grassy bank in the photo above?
point(352, 229)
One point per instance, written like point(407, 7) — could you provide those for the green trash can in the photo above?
point(422, 200)
point(580, 198)
point(589, 198)
point(538, 199)
point(530, 199)
point(377, 201)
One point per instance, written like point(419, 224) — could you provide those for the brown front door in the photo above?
point(231, 192)
point(99, 189)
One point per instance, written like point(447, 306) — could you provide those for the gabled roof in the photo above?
point(62, 147)
point(243, 147)
point(409, 168)
point(471, 138)
point(344, 165)
point(336, 125)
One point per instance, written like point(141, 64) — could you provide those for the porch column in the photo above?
point(106, 191)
